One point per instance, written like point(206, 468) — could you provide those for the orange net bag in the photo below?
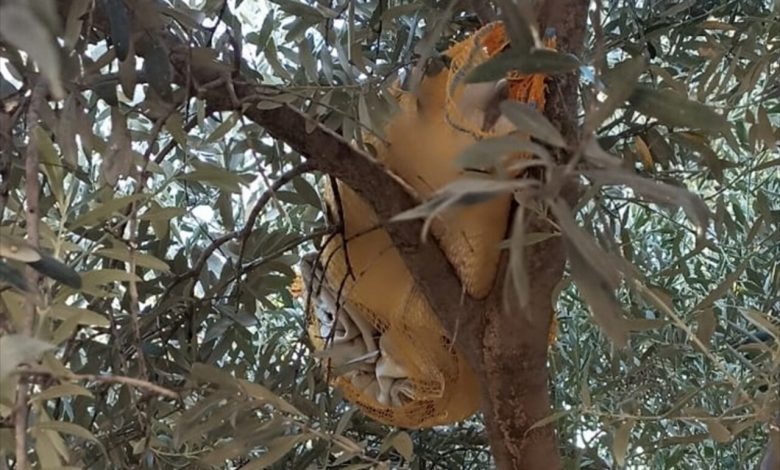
point(384, 347)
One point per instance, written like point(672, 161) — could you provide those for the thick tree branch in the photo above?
point(513, 365)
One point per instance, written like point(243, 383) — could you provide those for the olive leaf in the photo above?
point(543, 61)
point(119, 26)
point(529, 120)
point(676, 110)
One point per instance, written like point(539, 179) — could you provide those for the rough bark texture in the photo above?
point(514, 367)
point(513, 362)
point(508, 350)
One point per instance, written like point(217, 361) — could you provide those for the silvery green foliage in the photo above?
point(162, 206)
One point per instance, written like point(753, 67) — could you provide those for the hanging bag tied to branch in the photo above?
point(382, 344)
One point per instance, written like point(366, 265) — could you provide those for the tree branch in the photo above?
point(32, 190)
point(514, 353)
point(111, 379)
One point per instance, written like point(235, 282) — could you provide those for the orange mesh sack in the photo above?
point(384, 348)
point(435, 125)
point(382, 343)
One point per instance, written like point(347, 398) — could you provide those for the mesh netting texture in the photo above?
point(382, 343)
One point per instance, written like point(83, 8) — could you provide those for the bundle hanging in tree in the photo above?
point(384, 347)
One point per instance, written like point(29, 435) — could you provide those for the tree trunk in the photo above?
point(509, 350)
point(514, 368)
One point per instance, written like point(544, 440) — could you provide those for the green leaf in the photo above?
point(205, 373)
point(676, 110)
point(226, 452)
point(141, 259)
point(225, 207)
point(762, 321)
point(621, 82)
point(261, 39)
point(307, 192)
point(277, 449)
point(162, 213)
point(158, 69)
point(102, 277)
point(118, 161)
point(20, 27)
point(520, 22)
point(18, 249)
point(707, 323)
point(718, 431)
point(307, 60)
point(517, 263)
point(660, 193)
point(723, 288)
point(83, 316)
point(599, 261)
point(530, 121)
point(62, 390)
point(64, 331)
point(218, 177)
point(47, 448)
point(119, 27)
point(106, 210)
point(599, 297)
point(404, 445)
point(223, 128)
point(259, 392)
point(12, 276)
point(68, 428)
point(297, 8)
point(175, 126)
point(57, 270)
point(488, 154)
point(74, 22)
point(401, 10)
point(106, 90)
point(66, 130)
point(460, 193)
point(50, 161)
point(551, 418)
point(542, 61)
point(271, 55)
point(598, 156)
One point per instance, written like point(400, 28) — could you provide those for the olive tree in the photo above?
point(159, 178)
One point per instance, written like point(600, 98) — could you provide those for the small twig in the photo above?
point(340, 209)
point(175, 322)
point(7, 151)
point(32, 188)
point(110, 379)
point(220, 18)
point(129, 381)
point(244, 232)
point(135, 304)
point(282, 250)
point(172, 144)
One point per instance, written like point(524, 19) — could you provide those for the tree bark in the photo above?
point(513, 359)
